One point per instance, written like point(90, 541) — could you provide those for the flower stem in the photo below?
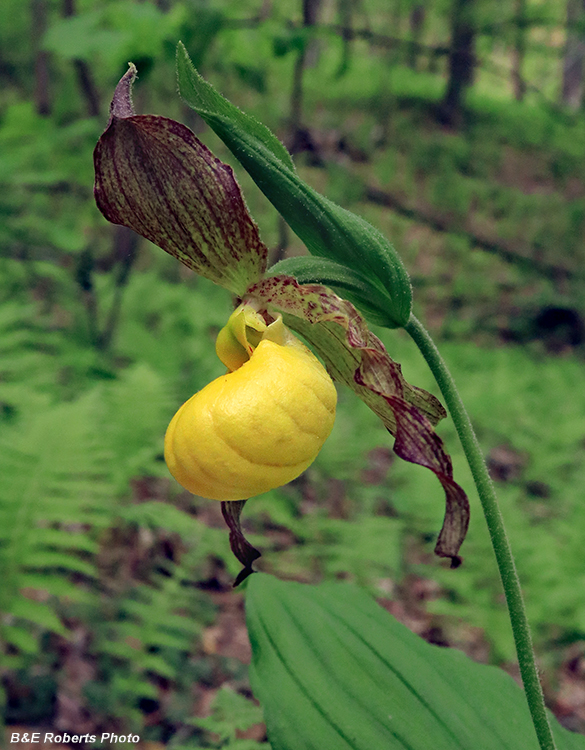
point(493, 517)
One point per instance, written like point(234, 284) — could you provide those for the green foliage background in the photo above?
point(99, 550)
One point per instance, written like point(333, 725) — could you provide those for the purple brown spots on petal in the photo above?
point(355, 356)
point(154, 176)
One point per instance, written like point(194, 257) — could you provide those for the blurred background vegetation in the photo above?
point(457, 127)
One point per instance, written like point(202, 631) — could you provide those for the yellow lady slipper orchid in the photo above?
point(260, 425)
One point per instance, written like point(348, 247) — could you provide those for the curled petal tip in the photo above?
point(121, 106)
point(242, 549)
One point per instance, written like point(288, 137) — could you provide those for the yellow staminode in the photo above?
point(259, 426)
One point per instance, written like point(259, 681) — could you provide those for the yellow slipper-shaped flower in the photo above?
point(259, 426)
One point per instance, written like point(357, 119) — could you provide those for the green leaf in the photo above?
point(240, 711)
point(326, 229)
point(83, 37)
point(200, 95)
point(372, 301)
point(46, 558)
point(230, 711)
point(63, 539)
point(38, 613)
point(19, 638)
point(334, 670)
point(55, 585)
point(134, 686)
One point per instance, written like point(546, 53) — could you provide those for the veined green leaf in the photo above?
point(203, 96)
point(334, 670)
point(326, 229)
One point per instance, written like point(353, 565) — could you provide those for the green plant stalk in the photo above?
point(497, 531)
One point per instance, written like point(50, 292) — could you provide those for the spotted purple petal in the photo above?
point(153, 175)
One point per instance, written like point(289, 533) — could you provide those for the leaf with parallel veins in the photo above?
point(153, 175)
point(333, 670)
point(355, 356)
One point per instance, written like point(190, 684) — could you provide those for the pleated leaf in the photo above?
point(334, 670)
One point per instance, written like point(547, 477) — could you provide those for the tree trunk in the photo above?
point(345, 10)
point(519, 51)
point(310, 13)
point(39, 26)
point(416, 23)
point(572, 88)
point(298, 137)
point(85, 79)
point(461, 61)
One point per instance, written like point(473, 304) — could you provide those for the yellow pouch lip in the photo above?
point(241, 435)
point(242, 467)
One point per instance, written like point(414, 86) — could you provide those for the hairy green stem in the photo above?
point(493, 517)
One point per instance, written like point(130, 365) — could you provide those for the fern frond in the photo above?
point(136, 409)
point(55, 494)
point(150, 634)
